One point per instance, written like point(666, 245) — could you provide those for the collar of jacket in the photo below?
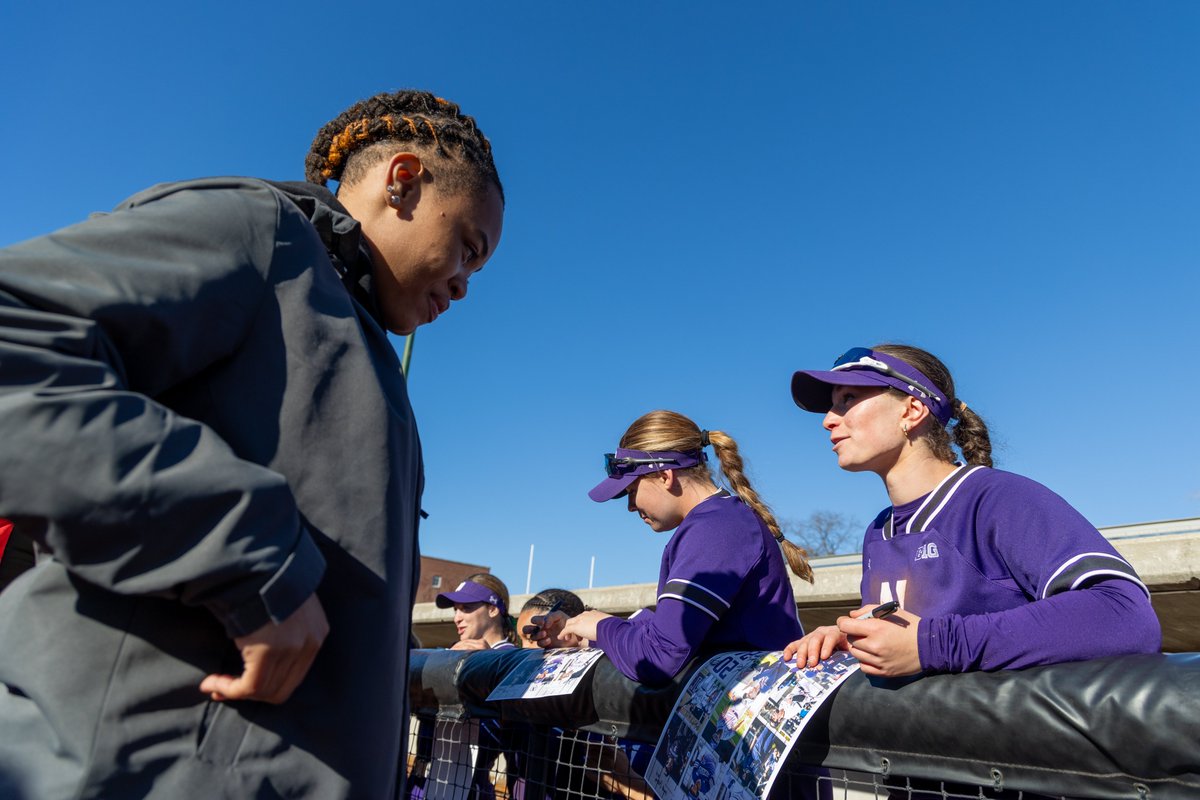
point(342, 236)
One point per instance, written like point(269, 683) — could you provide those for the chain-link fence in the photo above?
point(1117, 728)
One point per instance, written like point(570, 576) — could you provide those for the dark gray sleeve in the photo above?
point(95, 321)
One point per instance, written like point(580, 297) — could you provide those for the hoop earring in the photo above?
point(904, 428)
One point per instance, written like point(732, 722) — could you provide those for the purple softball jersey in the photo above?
point(1005, 574)
point(723, 585)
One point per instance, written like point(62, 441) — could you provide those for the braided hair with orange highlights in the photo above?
point(369, 131)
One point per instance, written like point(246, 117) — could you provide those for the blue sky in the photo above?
point(703, 198)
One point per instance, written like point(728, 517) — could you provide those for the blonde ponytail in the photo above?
point(734, 470)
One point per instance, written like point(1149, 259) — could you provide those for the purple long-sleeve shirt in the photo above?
point(723, 584)
point(1005, 574)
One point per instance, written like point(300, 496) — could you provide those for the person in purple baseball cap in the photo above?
point(989, 570)
point(481, 616)
point(723, 583)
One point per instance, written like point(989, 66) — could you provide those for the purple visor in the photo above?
point(626, 466)
point(470, 592)
point(813, 389)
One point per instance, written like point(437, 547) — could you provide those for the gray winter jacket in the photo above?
point(202, 423)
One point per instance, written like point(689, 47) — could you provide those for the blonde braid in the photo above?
point(734, 470)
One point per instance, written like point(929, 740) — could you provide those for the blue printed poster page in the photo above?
point(735, 722)
point(558, 673)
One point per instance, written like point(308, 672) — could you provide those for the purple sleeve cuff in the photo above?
point(605, 629)
point(927, 647)
point(283, 593)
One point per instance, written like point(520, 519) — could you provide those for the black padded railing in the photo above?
point(1124, 727)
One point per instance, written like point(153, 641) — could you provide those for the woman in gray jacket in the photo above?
point(208, 436)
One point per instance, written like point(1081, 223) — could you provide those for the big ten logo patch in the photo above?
point(927, 550)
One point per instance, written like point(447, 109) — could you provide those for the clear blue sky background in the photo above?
point(703, 198)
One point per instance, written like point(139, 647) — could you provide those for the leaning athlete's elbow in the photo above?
point(1148, 638)
point(651, 673)
point(659, 667)
point(1143, 632)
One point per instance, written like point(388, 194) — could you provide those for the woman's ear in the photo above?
point(915, 412)
point(668, 480)
point(404, 175)
point(493, 611)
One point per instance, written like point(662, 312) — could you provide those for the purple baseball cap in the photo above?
point(470, 592)
point(626, 466)
point(860, 366)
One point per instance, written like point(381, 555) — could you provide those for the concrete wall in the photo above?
point(1165, 554)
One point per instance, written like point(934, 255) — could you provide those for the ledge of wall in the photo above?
point(1165, 554)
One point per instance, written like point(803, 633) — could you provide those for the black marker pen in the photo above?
point(530, 630)
point(881, 611)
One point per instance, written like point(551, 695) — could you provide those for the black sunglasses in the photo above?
point(865, 358)
point(615, 467)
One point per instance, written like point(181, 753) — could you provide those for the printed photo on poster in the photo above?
point(735, 722)
point(558, 673)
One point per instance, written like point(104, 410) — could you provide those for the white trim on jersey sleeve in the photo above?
point(690, 602)
point(694, 594)
point(702, 588)
point(1079, 569)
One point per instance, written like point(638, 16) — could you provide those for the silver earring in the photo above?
point(904, 428)
point(393, 196)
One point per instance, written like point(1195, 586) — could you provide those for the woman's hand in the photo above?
point(885, 647)
point(816, 646)
point(548, 633)
point(583, 626)
point(559, 630)
point(275, 658)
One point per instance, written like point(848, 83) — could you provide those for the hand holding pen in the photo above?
point(883, 639)
point(821, 643)
point(881, 611)
point(531, 632)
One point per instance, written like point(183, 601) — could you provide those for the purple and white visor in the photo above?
point(860, 366)
point(470, 592)
point(626, 466)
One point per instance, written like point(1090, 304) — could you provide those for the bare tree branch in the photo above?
point(824, 533)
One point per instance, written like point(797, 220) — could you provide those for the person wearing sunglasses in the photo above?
point(723, 583)
point(991, 570)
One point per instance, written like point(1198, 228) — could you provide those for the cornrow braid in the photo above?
point(570, 605)
point(349, 144)
point(668, 430)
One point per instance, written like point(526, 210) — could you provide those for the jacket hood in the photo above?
point(340, 232)
point(342, 235)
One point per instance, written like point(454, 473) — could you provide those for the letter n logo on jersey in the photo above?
point(927, 550)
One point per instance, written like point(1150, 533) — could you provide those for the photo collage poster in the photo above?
point(557, 673)
point(735, 722)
